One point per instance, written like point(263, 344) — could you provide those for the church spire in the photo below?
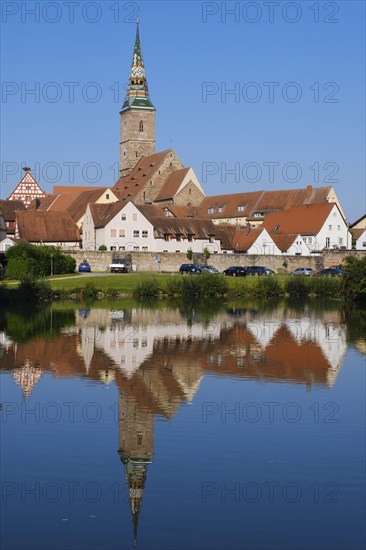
point(137, 96)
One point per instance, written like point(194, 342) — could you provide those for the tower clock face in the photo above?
point(124, 153)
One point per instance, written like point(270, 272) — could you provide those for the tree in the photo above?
point(206, 253)
point(37, 261)
point(189, 254)
point(354, 283)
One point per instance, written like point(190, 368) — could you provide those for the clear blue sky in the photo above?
point(194, 52)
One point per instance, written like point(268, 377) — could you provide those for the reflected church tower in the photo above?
point(136, 445)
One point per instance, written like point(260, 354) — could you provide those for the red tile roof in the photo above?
point(260, 201)
point(127, 187)
point(35, 226)
point(65, 189)
point(8, 209)
point(305, 219)
point(229, 204)
point(284, 241)
point(172, 184)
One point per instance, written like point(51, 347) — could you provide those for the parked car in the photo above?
point(119, 265)
point(258, 270)
point(303, 271)
point(84, 267)
point(209, 268)
point(189, 268)
point(235, 271)
point(333, 271)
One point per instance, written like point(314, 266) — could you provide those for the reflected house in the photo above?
point(157, 359)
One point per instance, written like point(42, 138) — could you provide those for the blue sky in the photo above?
point(296, 114)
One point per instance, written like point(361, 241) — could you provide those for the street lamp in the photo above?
point(51, 264)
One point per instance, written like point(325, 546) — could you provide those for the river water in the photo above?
point(183, 427)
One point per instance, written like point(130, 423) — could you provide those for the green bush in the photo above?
point(102, 248)
point(354, 284)
point(147, 288)
point(324, 286)
point(37, 261)
point(33, 290)
point(297, 285)
point(89, 292)
point(205, 285)
point(174, 286)
point(268, 287)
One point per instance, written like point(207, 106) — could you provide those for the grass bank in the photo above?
point(151, 284)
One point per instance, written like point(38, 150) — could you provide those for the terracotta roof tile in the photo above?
point(201, 229)
point(127, 187)
point(305, 219)
point(8, 209)
point(284, 241)
point(78, 206)
point(229, 205)
point(66, 189)
point(35, 226)
point(172, 184)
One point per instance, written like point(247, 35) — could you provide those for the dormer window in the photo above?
point(242, 207)
point(211, 210)
point(141, 127)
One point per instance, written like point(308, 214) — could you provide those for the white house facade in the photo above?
point(123, 227)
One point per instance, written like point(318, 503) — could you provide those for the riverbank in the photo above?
point(160, 286)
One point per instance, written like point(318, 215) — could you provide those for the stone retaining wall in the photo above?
point(170, 262)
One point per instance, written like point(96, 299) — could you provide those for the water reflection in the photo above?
point(170, 355)
point(158, 359)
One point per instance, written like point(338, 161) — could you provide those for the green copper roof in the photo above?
point(137, 96)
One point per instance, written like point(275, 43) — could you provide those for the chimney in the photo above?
point(309, 191)
point(248, 228)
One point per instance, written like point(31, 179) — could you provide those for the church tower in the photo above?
point(137, 116)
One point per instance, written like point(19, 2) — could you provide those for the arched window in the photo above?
point(141, 126)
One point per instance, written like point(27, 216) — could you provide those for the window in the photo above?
point(219, 209)
point(134, 217)
point(189, 191)
point(310, 240)
point(211, 210)
point(113, 233)
point(122, 248)
point(166, 237)
point(107, 196)
point(276, 227)
point(141, 127)
point(136, 233)
point(145, 234)
point(327, 242)
point(145, 248)
point(178, 237)
point(123, 217)
point(242, 207)
point(340, 240)
point(330, 227)
point(136, 248)
point(122, 233)
point(338, 227)
point(190, 238)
